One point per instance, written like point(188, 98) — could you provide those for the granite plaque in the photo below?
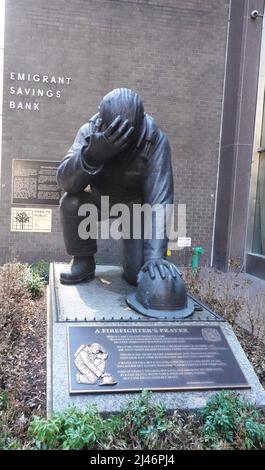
point(34, 183)
point(132, 358)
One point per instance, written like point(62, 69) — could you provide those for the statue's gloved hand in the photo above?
point(162, 265)
point(107, 144)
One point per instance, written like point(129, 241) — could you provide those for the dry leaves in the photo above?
point(22, 346)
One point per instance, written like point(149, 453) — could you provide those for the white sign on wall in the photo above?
point(184, 242)
point(31, 220)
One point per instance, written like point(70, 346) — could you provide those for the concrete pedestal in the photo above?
point(102, 302)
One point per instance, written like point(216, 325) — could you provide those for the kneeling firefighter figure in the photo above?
point(123, 154)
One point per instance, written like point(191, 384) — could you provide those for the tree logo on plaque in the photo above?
point(22, 220)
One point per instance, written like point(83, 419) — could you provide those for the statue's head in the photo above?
point(127, 104)
point(98, 350)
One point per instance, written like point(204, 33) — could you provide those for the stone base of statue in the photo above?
point(101, 351)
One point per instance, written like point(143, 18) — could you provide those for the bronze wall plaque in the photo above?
point(132, 358)
point(34, 182)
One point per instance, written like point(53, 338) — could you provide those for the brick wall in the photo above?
point(171, 52)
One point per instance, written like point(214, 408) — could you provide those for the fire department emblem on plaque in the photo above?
point(211, 334)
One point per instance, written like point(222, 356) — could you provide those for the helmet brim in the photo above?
point(132, 301)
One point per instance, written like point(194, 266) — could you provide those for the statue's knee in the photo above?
point(70, 203)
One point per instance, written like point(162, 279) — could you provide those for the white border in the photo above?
point(2, 40)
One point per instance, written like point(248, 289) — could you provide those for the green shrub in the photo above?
point(41, 268)
point(7, 440)
point(139, 425)
point(72, 429)
point(35, 285)
point(142, 424)
point(227, 422)
point(33, 281)
point(230, 420)
point(18, 279)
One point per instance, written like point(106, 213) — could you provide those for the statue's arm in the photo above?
point(158, 189)
point(88, 362)
point(74, 174)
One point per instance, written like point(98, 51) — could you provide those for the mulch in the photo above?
point(255, 351)
point(25, 364)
